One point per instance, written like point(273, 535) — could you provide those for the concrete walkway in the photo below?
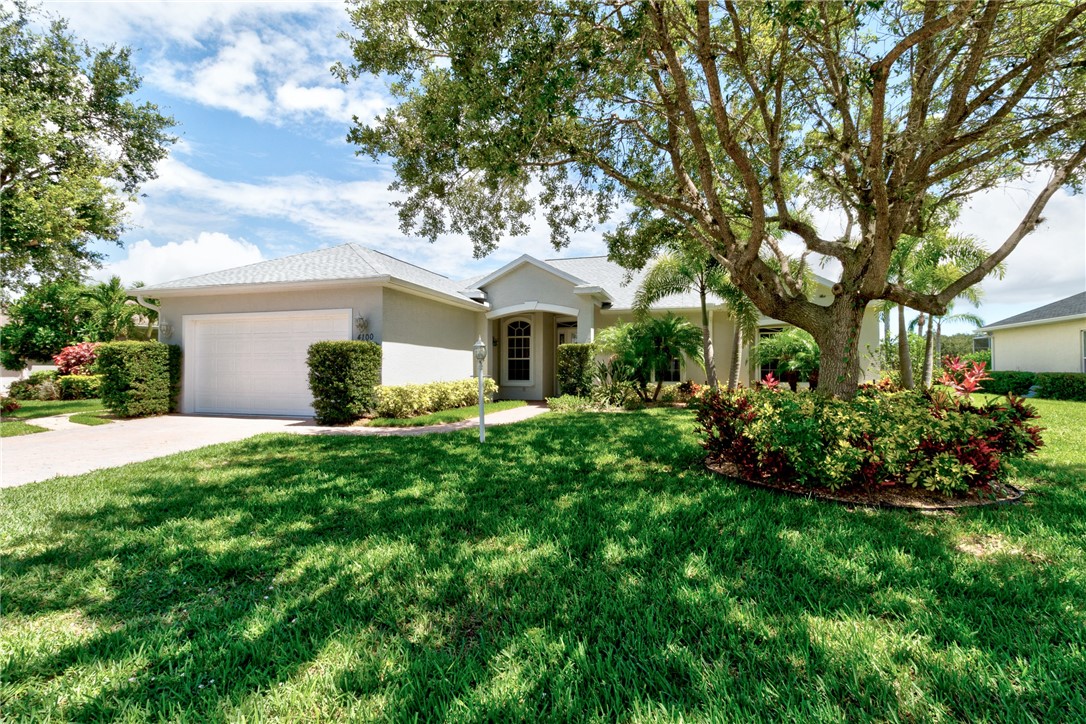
point(71, 449)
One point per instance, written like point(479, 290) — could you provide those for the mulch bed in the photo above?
point(894, 496)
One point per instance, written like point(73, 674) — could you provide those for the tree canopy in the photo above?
point(75, 147)
point(731, 119)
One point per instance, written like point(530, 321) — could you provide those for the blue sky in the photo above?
point(263, 169)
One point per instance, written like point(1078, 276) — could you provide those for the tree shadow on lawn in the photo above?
point(571, 567)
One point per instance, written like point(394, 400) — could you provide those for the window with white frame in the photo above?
point(518, 351)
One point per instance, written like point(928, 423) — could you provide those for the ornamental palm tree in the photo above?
point(112, 313)
point(922, 264)
point(692, 269)
point(648, 346)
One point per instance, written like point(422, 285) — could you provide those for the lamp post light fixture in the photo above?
point(479, 350)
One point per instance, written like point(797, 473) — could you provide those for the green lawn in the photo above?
point(13, 423)
point(575, 567)
point(29, 409)
point(86, 419)
point(14, 428)
point(445, 417)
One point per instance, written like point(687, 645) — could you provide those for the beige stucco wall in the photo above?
point(1055, 347)
point(529, 283)
point(421, 339)
point(425, 340)
point(363, 301)
point(541, 384)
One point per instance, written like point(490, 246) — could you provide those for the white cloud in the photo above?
point(265, 61)
point(1047, 265)
point(210, 251)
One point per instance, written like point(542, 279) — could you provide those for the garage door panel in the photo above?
point(256, 365)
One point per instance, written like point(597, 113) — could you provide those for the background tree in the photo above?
point(730, 118)
point(46, 319)
point(74, 148)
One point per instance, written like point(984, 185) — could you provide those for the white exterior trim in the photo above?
point(532, 307)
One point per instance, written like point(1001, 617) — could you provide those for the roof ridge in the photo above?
point(357, 246)
point(357, 249)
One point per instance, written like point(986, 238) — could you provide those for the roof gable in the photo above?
point(530, 260)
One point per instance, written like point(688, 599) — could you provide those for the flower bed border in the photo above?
point(855, 499)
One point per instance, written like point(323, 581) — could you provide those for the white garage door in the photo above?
point(255, 364)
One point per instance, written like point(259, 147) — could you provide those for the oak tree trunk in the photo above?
point(839, 343)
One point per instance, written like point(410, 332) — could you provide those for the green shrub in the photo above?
point(22, 390)
point(984, 355)
point(1009, 382)
point(8, 405)
point(576, 368)
point(136, 380)
point(37, 386)
point(342, 378)
point(36, 378)
point(175, 376)
point(403, 401)
point(79, 387)
point(1062, 386)
point(880, 438)
point(570, 403)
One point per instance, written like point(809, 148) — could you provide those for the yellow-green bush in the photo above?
point(79, 387)
point(404, 401)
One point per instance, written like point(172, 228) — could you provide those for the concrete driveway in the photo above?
point(70, 449)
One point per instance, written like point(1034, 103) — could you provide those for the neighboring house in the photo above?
point(245, 331)
point(1051, 338)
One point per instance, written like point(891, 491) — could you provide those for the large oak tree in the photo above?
point(731, 118)
point(74, 148)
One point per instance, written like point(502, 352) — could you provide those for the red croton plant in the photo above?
point(76, 359)
point(963, 377)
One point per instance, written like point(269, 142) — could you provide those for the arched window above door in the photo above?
point(518, 351)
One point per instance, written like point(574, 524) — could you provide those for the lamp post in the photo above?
point(479, 350)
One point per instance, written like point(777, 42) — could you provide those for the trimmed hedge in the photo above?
point(576, 368)
point(1062, 386)
point(342, 378)
point(139, 378)
point(403, 401)
point(79, 387)
point(1008, 381)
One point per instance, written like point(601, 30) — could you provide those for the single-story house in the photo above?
point(245, 331)
point(1051, 338)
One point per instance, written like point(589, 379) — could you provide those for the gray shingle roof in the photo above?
point(1074, 305)
point(353, 262)
point(346, 262)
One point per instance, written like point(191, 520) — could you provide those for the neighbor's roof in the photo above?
point(1070, 308)
point(339, 263)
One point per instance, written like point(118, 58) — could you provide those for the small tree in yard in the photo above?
point(731, 119)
